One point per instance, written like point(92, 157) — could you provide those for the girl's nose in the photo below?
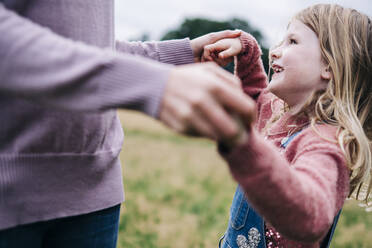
point(276, 53)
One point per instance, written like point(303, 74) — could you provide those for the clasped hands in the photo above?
point(205, 100)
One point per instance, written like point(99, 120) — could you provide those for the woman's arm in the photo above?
point(176, 52)
point(45, 67)
point(42, 66)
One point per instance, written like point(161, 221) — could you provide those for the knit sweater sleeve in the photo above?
point(176, 52)
point(249, 67)
point(45, 67)
point(302, 189)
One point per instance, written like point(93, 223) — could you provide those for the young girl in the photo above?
point(310, 145)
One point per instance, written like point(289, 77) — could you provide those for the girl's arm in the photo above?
point(298, 198)
point(249, 67)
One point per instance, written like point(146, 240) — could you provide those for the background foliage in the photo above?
point(178, 192)
point(196, 27)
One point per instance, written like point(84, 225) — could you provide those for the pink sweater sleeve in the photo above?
point(301, 189)
point(249, 67)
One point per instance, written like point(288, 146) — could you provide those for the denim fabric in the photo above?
point(328, 238)
point(94, 230)
point(246, 227)
point(16, 5)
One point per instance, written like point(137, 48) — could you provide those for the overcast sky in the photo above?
point(134, 18)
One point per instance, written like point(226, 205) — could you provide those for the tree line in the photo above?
point(195, 27)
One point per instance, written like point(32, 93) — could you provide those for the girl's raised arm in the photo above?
point(249, 67)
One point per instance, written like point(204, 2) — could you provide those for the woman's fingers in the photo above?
point(197, 100)
point(216, 36)
point(226, 76)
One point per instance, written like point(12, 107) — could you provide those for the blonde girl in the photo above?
point(308, 147)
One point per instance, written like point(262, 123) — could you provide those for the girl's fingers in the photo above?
point(206, 57)
point(209, 52)
point(223, 62)
point(216, 47)
point(229, 53)
point(220, 52)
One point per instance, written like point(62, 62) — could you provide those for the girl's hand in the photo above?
point(198, 44)
point(223, 51)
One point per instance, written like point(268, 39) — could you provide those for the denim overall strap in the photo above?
point(328, 238)
point(326, 242)
point(16, 5)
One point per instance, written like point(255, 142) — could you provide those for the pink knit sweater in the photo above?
point(299, 190)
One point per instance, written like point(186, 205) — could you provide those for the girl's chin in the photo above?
point(272, 85)
point(275, 88)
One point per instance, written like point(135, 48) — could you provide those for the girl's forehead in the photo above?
point(295, 25)
point(298, 27)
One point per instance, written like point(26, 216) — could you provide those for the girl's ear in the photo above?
point(326, 73)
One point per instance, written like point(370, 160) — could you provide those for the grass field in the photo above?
point(178, 192)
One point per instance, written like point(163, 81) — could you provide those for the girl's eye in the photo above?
point(292, 41)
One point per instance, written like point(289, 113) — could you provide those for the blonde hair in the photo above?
point(345, 37)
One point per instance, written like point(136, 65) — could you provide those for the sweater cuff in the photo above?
point(245, 159)
point(249, 43)
point(176, 52)
point(140, 88)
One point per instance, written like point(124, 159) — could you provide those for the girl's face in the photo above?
point(298, 66)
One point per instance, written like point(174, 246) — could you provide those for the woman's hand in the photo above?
point(223, 51)
point(198, 44)
point(199, 100)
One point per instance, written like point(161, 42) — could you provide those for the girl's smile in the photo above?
point(298, 66)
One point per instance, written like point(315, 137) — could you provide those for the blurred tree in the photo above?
point(196, 27)
point(143, 37)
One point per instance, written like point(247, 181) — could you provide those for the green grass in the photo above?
point(178, 192)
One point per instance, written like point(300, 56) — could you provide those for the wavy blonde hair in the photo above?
point(345, 37)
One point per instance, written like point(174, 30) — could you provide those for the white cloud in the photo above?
point(133, 18)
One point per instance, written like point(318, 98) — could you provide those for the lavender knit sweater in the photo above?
point(59, 78)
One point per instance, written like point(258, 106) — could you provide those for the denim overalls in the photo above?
point(246, 228)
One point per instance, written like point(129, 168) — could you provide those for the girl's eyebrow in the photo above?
point(286, 36)
point(291, 35)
